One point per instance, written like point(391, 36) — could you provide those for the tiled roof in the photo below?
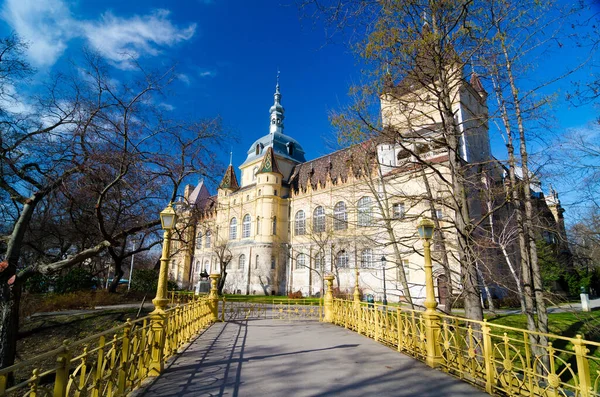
point(269, 163)
point(229, 180)
point(338, 166)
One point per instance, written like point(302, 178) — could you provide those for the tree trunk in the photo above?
point(112, 288)
point(10, 297)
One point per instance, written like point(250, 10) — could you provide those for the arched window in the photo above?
point(258, 225)
point(300, 261)
point(233, 229)
point(257, 148)
point(364, 211)
point(300, 223)
point(207, 267)
point(207, 239)
point(340, 216)
point(366, 258)
point(319, 220)
point(246, 226)
point(199, 241)
point(320, 261)
point(341, 260)
point(274, 231)
point(242, 262)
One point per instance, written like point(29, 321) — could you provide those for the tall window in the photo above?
point(258, 225)
point(242, 262)
point(199, 241)
point(207, 239)
point(364, 211)
point(254, 171)
point(274, 227)
point(320, 261)
point(366, 258)
point(398, 211)
point(340, 216)
point(273, 263)
point(319, 220)
point(341, 260)
point(256, 262)
point(300, 223)
point(233, 229)
point(246, 222)
point(439, 214)
point(300, 261)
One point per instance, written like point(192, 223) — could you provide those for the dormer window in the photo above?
point(257, 148)
point(290, 148)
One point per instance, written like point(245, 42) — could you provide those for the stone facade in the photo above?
point(292, 221)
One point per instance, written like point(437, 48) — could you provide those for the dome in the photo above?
point(283, 146)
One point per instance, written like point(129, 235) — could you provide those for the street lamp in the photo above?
point(425, 229)
point(168, 219)
point(133, 241)
point(385, 302)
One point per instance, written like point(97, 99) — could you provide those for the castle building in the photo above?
point(287, 222)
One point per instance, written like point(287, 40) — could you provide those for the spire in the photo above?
point(229, 180)
point(269, 163)
point(276, 111)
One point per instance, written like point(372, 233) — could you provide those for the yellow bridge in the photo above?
point(297, 348)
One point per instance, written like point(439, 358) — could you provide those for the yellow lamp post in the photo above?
point(168, 219)
point(328, 301)
point(432, 320)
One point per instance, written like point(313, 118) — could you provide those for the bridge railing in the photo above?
point(280, 308)
point(111, 363)
point(502, 359)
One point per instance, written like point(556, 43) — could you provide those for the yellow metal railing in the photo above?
point(111, 363)
point(501, 359)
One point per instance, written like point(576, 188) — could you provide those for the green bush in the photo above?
point(76, 279)
point(39, 284)
point(146, 280)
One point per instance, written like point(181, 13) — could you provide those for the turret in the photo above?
point(276, 112)
point(229, 183)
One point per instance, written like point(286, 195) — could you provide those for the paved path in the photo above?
point(277, 358)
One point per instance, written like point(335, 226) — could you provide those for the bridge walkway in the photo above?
point(267, 357)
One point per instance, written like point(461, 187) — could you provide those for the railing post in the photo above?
point(487, 356)
point(158, 336)
point(62, 371)
point(328, 301)
point(583, 367)
point(223, 310)
point(399, 327)
point(122, 382)
point(213, 297)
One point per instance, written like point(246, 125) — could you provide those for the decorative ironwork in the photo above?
point(113, 362)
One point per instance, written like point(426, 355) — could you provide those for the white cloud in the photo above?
point(184, 78)
point(48, 26)
point(166, 106)
point(123, 39)
point(207, 73)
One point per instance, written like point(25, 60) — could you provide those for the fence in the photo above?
point(275, 308)
point(504, 360)
point(111, 363)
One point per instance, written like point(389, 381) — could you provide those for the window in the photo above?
point(207, 239)
point(300, 223)
point(439, 214)
point(398, 211)
point(254, 171)
point(340, 216)
point(273, 263)
point(275, 192)
point(206, 267)
point(366, 258)
point(259, 192)
point(256, 262)
point(247, 197)
point(300, 261)
point(242, 262)
point(274, 231)
point(199, 241)
point(246, 226)
point(341, 260)
point(319, 220)
point(233, 229)
point(257, 151)
point(406, 266)
point(258, 225)
point(364, 211)
point(320, 261)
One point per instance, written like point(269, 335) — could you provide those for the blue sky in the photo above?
point(228, 52)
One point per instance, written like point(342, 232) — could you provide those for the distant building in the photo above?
point(288, 221)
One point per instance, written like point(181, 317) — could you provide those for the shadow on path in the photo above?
point(309, 358)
